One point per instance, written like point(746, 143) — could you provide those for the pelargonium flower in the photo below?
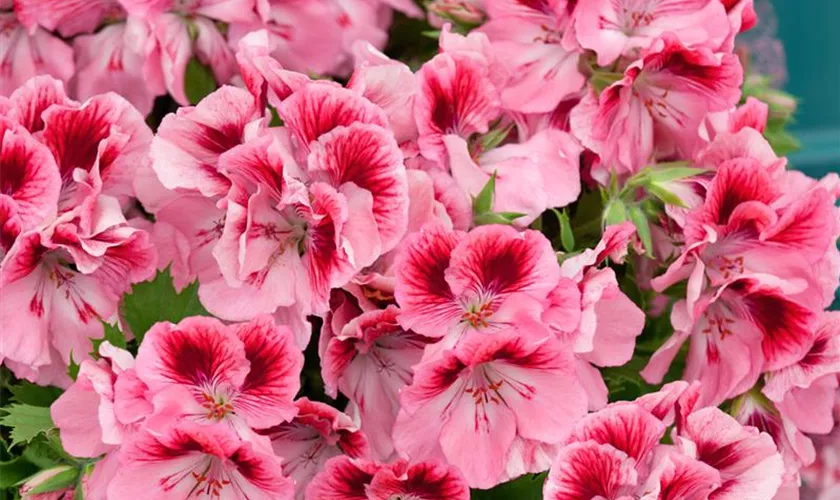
point(117, 58)
point(624, 28)
point(368, 357)
point(495, 407)
point(30, 183)
point(616, 453)
point(658, 106)
point(450, 283)
point(245, 374)
point(181, 31)
point(528, 40)
point(345, 478)
point(68, 277)
point(104, 406)
point(317, 433)
point(24, 55)
point(588, 310)
point(190, 458)
point(748, 326)
point(67, 18)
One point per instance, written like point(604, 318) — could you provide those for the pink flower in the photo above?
point(748, 326)
point(317, 35)
point(186, 149)
point(745, 225)
point(449, 284)
point(344, 478)
point(804, 391)
point(24, 55)
point(30, 184)
point(65, 305)
point(318, 433)
point(540, 173)
point(97, 145)
point(527, 38)
point(189, 458)
point(68, 18)
point(369, 358)
point(115, 59)
point(494, 407)
point(101, 409)
point(456, 97)
point(657, 107)
point(615, 453)
point(245, 374)
point(624, 28)
point(750, 467)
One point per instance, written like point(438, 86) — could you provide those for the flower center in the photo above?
point(477, 315)
point(217, 406)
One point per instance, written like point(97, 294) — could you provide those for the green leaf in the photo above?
point(527, 487)
point(642, 228)
point(62, 478)
point(567, 237)
point(26, 421)
point(14, 471)
point(112, 334)
point(674, 173)
point(41, 451)
point(483, 203)
point(198, 81)
point(664, 195)
point(73, 367)
point(156, 300)
point(495, 137)
point(505, 218)
point(35, 395)
point(615, 212)
point(434, 34)
point(600, 80)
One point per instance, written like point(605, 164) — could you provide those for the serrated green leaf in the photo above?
point(26, 422)
point(528, 487)
point(199, 81)
point(36, 395)
point(642, 228)
point(156, 300)
point(483, 203)
point(62, 478)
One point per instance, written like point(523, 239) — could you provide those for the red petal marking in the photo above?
point(73, 135)
point(342, 479)
point(628, 428)
point(197, 352)
point(737, 181)
point(786, 325)
point(589, 470)
point(319, 108)
point(368, 156)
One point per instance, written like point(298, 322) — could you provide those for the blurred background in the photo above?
point(809, 33)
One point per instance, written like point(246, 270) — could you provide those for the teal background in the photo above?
point(810, 33)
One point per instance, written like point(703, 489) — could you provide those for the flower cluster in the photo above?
point(142, 49)
point(424, 278)
point(69, 253)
